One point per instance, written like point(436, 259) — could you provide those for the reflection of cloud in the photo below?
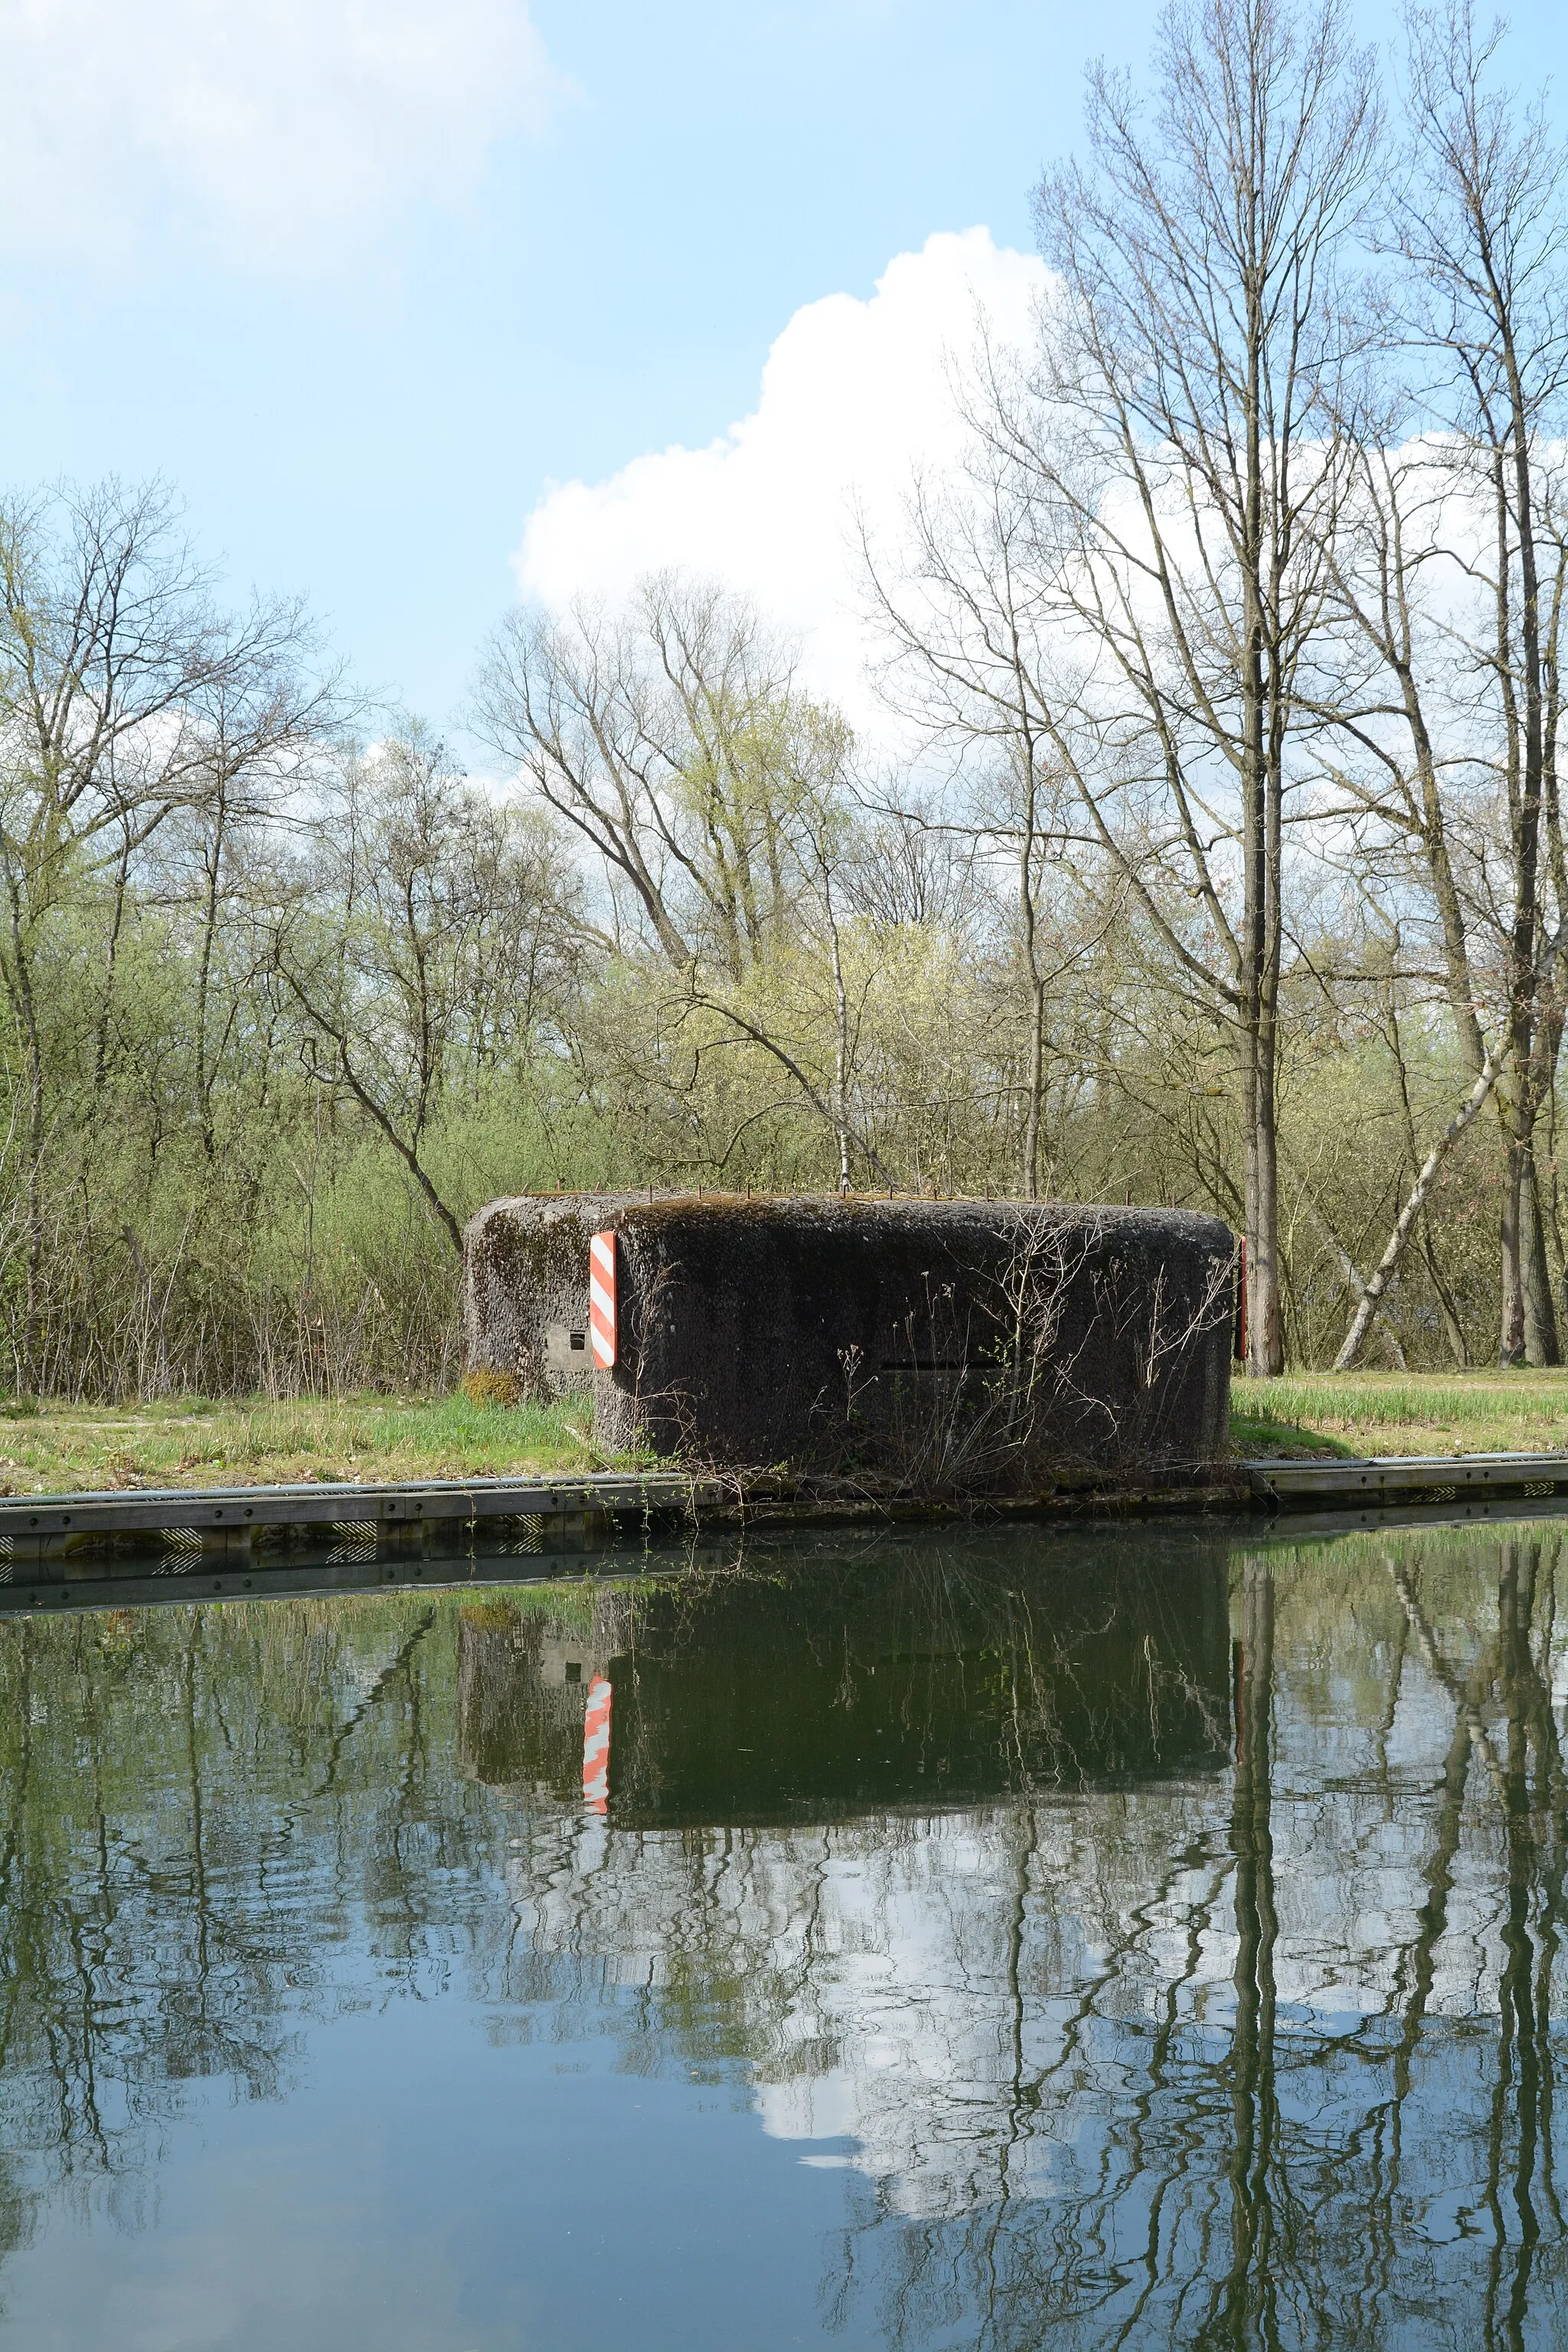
point(279, 124)
point(854, 396)
point(905, 1981)
point(202, 2269)
point(814, 2106)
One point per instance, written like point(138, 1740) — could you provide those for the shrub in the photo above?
point(502, 1389)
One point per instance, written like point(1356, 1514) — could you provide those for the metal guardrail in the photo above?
point(1297, 1485)
point(400, 1513)
point(236, 1509)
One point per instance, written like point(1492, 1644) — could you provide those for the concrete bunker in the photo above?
point(525, 1285)
point(929, 1348)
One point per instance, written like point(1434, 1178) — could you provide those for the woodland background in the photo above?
point(1212, 852)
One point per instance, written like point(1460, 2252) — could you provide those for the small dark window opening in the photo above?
point(579, 1339)
point(573, 1671)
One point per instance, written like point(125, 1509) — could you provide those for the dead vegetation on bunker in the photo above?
point(1070, 1363)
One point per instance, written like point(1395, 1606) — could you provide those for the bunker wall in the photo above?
point(952, 1347)
point(525, 1286)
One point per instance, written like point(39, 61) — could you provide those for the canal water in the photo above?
point(1020, 1938)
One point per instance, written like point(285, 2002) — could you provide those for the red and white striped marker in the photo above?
point(596, 1746)
point(602, 1299)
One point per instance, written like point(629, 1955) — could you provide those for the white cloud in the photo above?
point(855, 395)
point(278, 127)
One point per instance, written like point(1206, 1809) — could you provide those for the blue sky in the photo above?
point(363, 282)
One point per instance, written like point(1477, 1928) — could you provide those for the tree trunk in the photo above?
point(1372, 1292)
point(1262, 847)
point(1265, 1335)
point(213, 854)
point(1541, 1339)
point(1037, 1088)
point(1037, 994)
point(1510, 1339)
point(30, 1369)
point(1529, 1332)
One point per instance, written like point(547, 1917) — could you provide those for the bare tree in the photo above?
point(967, 610)
point(263, 719)
point(432, 935)
point(1441, 716)
point(1176, 448)
point(672, 737)
point(1127, 598)
point(1198, 336)
point(1481, 235)
point(1406, 739)
point(114, 669)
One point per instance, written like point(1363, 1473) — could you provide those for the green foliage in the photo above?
point(263, 1233)
point(278, 1014)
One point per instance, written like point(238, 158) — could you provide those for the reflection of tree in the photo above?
point(1129, 2048)
point(1334, 2153)
point(1247, 2295)
point(1519, 2135)
point(1521, 1763)
point(171, 1901)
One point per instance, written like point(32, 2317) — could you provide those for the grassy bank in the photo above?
point(190, 1442)
point(1402, 1412)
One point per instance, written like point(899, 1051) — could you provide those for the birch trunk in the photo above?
point(1360, 1321)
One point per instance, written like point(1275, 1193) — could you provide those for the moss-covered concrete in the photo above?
point(934, 1348)
point(525, 1286)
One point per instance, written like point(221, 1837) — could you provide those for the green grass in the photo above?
point(1401, 1413)
point(190, 1442)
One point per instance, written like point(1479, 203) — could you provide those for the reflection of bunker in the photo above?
point(925, 1680)
point(522, 1689)
point(941, 1345)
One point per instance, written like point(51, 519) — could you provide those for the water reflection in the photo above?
point(859, 1682)
point(1158, 1933)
